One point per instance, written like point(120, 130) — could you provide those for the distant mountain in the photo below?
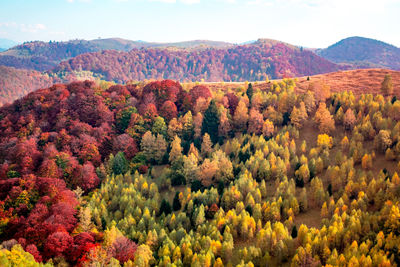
point(363, 53)
point(43, 56)
point(238, 63)
point(6, 43)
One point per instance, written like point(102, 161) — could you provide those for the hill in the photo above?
point(135, 175)
point(16, 83)
point(361, 81)
point(239, 63)
point(43, 56)
point(363, 52)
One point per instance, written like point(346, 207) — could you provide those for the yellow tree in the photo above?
point(241, 116)
point(176, 149)
point(323, 117)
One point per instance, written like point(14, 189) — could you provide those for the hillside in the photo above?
point(159, 174)
point(361, 81)
point(239, 63)
point(43, 56)
point(16, 83)
point(363, 52)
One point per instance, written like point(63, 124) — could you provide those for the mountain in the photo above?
point(189, 62)
point(43, 56)
point(6, 43)
point(251, 62)
point(363, 52)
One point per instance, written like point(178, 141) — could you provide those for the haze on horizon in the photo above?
point(308, 23)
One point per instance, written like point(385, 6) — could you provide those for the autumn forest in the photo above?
point(168, 174)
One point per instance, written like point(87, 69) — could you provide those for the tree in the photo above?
point(165, 207)
point(143, 256)
point(200, 216)
point(299, 115)
point(159, 126)
point(123, 249)
point(383, 140)
point(250, 92)
point(57, 244)
point(123, 118)
point(160, 148)
point(224, 125)
point(241, 116)
point(206, 145)
point(187, 126)
point(349, 119)
point(211, 122)
point(199, 91)
point(387, 85)
point(120, 164)
point(207, 171)
point(256, 121)
point(366, 162)
point(323, 117)
point(176, 204)
point(197, 123)
point(176, 149)
point(168, 110)
point(268, 128)
point(324, 141)
point(147, 145)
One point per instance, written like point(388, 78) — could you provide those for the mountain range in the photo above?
point(363, 52)
point(6, 44)
point(121, 60)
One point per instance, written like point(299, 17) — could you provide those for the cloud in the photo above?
point(32, 28)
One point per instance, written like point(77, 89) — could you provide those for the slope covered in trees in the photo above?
point(363, 52)
point(159, 174)
point(240, 63)
point(16, 83)
point(43, 56)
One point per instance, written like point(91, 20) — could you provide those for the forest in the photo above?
point(252, 62)
point(168, 174)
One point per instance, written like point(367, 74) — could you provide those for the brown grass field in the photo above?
point(360, 81)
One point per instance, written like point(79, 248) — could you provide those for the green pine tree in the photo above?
point(211, 122)
point(250, 92)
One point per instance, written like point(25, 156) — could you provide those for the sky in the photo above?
point(308, 23)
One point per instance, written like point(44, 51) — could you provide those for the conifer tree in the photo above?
point(211, 122)
point(250, 92)
point(176, 204)
point(120, 164)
